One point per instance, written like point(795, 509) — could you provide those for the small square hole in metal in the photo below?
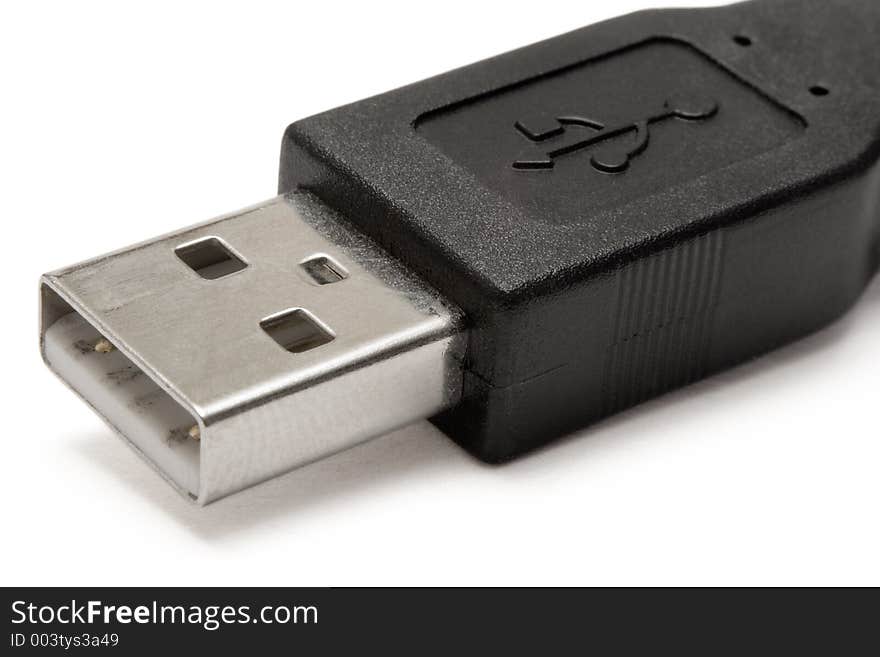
point(296, 330)
point(210, 258)
point(324, 270)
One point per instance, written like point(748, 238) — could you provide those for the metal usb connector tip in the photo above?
point(236, 350)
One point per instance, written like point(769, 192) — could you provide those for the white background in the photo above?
point(121, 123)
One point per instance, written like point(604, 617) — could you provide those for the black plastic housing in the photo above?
point(623, 209)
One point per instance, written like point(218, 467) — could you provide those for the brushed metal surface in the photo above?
point(261, 410)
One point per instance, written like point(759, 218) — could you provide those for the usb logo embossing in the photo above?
point(553, 138)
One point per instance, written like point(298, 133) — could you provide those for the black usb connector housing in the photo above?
point(515, 249)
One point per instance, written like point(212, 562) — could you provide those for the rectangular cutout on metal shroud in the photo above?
point(296, 330)
point(324, 270)
point(210, 258)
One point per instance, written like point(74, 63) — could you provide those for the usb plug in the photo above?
point(514, 249)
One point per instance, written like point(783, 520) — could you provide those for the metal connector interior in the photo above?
point(243, 347)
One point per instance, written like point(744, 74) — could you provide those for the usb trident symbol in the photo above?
point(563, 135)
